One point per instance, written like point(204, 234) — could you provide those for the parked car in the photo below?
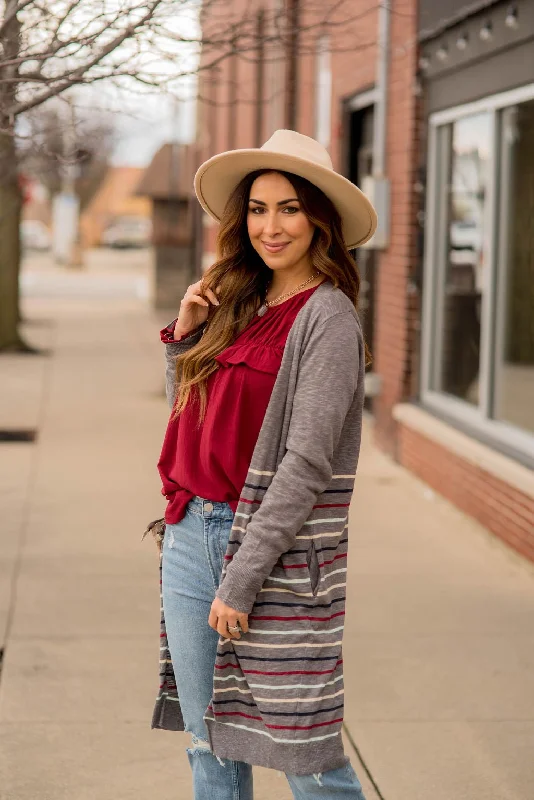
point(128, 232)
point(34, 235)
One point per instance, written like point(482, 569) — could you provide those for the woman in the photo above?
point(265, 368)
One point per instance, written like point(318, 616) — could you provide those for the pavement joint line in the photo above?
point(30, 485)
point(362, 761)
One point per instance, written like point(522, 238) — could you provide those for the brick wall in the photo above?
point(505, 511)
point(393, 338)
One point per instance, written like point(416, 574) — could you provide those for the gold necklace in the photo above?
point(263, 308)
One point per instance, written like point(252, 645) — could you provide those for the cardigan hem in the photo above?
point(294, 759)
point(167, 714)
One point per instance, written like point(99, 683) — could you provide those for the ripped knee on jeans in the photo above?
point(202, 746)
point(318, 776)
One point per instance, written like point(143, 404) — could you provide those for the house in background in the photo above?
point(115, 199)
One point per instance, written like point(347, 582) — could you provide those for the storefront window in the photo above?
point(514, 355)
point(478, 322)
point(465, 198)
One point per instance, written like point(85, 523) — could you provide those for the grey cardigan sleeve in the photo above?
point(173, 349)
point(325, 390)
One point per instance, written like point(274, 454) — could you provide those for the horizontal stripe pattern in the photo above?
point(287, 713)
point(266, 618)
point(278, 687)
point(275, 727)
point(291, 655)
point(277, 740)
point(286, 645)
point(264, 700)
point(276, 672)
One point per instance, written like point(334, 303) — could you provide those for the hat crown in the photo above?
point(291, 143)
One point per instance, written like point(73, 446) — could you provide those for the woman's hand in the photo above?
point(222, 615)
point(194, 309)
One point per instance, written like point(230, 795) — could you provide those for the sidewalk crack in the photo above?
point(362, 762)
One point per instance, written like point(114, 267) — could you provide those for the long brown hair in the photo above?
point(243, 279)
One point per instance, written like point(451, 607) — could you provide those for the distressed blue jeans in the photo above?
point(193, 555)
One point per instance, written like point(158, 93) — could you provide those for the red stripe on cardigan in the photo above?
point(290, 619)
point(294, 672)
point(276, 727)
point(333, 505)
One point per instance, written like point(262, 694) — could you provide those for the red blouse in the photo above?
point(211, 460)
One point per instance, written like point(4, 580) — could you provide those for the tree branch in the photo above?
point(78, 75)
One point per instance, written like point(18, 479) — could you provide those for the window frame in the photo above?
point(477, 418)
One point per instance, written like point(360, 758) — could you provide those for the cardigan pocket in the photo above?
point(313, 568)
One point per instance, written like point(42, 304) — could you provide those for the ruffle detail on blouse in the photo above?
point(262, 357)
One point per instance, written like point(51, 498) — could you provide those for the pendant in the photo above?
point(262, 310)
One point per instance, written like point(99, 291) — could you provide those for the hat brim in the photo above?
point(217, 178)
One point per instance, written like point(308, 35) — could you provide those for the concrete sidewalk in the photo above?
point(439, 645)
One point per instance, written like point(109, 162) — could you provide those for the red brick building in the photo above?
point(365, 89)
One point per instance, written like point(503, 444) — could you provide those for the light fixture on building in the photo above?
point(511, 17)
point(486, 31)
point(462, 41)
point(442, 53)
point(424, 62)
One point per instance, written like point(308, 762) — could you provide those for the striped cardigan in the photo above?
point(278, 691)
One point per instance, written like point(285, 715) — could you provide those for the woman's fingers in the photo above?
point(195, 288)
point(196, 298)
point(223, 624)
point(212, 297)
point(222, 628)
point(196, 292)
point(222, 617)
point(193, 296)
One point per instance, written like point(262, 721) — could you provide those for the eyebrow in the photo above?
point(280, 203)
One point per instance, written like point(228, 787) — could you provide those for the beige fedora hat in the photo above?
point(287, 151)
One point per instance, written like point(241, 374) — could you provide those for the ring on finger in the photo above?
point(234, 628)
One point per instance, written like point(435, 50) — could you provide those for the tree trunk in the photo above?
point(10, 212)
point(10, 195)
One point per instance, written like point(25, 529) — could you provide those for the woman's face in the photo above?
point(279, 230)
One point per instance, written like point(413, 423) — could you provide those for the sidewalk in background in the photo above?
point(439, 643)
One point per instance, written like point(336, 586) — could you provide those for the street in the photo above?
point(439, 639)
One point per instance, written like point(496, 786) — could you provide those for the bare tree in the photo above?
point(42, 154)
point(47, 47)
